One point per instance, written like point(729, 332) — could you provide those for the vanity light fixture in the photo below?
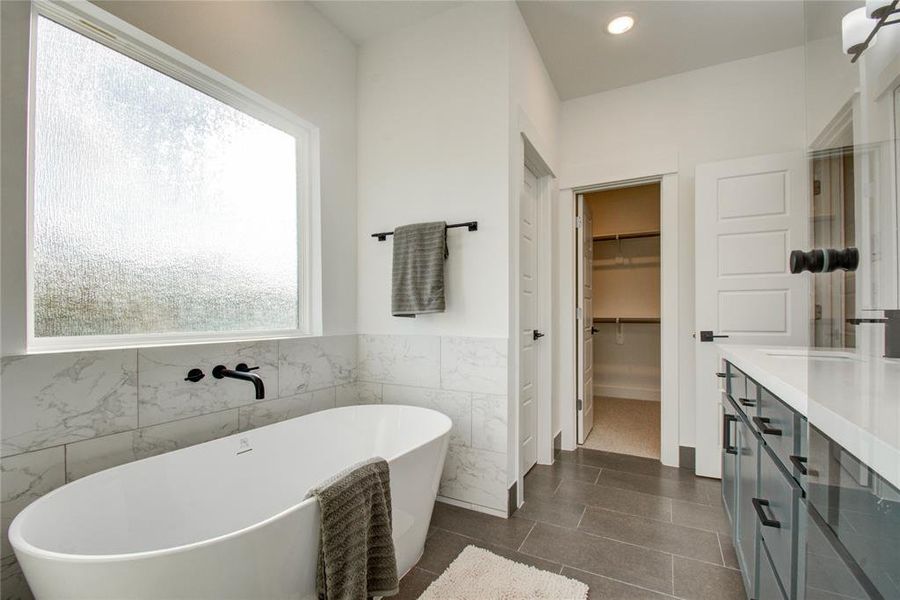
point(620, 24)
point(859, 27)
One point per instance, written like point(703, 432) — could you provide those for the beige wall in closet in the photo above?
point(627, 284)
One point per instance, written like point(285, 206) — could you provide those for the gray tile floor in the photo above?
point(626, 526)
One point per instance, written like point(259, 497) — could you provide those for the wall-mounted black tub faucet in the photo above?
point(242, 372)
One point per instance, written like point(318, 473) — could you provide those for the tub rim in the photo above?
point(20, 544)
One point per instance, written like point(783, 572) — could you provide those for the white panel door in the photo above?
point(585, 315)
point(750, 213)
point(528, 319)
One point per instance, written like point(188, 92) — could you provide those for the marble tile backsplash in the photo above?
point(163, 395)
point(466, 379)
point(54, 399)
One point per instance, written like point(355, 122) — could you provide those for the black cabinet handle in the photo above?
point(763, 424)
point(727, 420)
point(799, 463)
point(763, 518)
point(747, 402)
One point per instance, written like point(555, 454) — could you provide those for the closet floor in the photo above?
point(625, 427)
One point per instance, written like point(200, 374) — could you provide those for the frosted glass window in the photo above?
point(157, 208)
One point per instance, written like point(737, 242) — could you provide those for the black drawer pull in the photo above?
point(765, 520)
point(726, 433)
point(762, 423)
point(799, 463)
point(747, 402)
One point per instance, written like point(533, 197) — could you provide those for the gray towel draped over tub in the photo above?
point(418, 271)
point(356, 550)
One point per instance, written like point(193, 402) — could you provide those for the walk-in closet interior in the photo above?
point(626, 307)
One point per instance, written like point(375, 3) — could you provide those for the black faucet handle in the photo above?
point(194, 375)
point(243, 368)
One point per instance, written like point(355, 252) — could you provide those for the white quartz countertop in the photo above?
point(853, 399)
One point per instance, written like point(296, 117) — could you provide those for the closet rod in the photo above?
point(471, 225)
point(626, 320)
point(626, 236)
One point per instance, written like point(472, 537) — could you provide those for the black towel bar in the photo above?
point(470, 225)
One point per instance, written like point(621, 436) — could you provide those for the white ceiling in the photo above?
point(669, 37)
point(363, 20)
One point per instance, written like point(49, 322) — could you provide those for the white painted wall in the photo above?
point(742, 108)
point(285, 51)
point(443, 106)
point(433, 146)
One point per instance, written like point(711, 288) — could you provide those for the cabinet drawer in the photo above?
point(779, 427)
point(776, 508)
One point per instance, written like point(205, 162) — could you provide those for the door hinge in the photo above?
point(579, 222)
point(579, 404)
point(578, 313)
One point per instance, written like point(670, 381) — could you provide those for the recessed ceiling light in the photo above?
point(620, 24)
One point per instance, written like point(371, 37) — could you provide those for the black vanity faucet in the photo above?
point(242, 372)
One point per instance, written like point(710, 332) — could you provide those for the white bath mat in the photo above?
point(477, 574)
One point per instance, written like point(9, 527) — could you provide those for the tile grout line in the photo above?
point(617, 580)
point(673, 574)
point(648, 548)
point(525, 539)
point(721, 550)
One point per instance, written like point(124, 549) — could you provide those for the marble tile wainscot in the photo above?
point(65, 416)
point(464, 378)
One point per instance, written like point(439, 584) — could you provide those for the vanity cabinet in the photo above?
point(800, 506)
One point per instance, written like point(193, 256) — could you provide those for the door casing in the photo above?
point(669, 307)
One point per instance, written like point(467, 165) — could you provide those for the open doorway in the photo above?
point(619, 350)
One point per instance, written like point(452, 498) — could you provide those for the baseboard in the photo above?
point(687, 457)
point(512, 500)
point(471, 506)
point(629, 393)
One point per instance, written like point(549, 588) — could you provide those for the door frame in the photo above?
point(669, 307)
point(528, 154)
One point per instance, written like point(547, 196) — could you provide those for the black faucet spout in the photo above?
point(221, 372)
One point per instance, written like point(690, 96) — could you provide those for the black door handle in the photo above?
point(758, 504)
point(708, 336)
point(727, 420)
point(536, 334)
point(763, 424)
point(594, 330)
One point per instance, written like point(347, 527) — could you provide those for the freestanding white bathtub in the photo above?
point(227, 519)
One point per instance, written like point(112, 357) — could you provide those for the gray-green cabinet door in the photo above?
point(747, 530)
point(729, 459)
point(769, 588)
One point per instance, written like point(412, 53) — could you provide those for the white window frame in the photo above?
point(104, 28)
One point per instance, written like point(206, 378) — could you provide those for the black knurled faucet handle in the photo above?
point(243, 368)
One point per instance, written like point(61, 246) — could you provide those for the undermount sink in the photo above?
point(817, 355)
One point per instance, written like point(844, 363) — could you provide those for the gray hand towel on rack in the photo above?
point(356, 548)
point(418, 272)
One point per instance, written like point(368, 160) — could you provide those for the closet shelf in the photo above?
point(626, 236)
point(626, 320)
